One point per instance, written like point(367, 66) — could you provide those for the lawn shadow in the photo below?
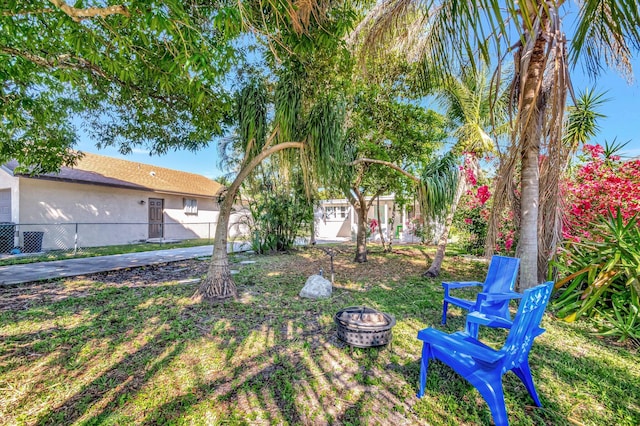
point(117, 319)
point(278, 360)
point(615, 387)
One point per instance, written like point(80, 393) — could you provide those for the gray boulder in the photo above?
point(316, 287)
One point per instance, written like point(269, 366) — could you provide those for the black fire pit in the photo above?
point(364, 327)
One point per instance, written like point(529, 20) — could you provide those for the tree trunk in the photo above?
point(312, 229)
point(361, 236)
point(530, 136)
point(383, 240)
point(218, 283)
point(436, 265)
point(390, 225)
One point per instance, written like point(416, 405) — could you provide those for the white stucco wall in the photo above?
point(8, 181)
point(104, 215)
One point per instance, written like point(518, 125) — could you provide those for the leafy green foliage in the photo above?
point(470, 221)
point(279, 216)
point(151, 75)
point(251, 116)
point(621, 321)
point(438, 185)
point(603, 275)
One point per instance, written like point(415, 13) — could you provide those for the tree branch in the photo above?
point(91, 12)
point(64, 60)
point(377, 194)
point(385, 163)
point(72, 62)
point(246, 169)
point(27, 12)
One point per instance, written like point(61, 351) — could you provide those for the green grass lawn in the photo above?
point(100, 251)
point(133, 347)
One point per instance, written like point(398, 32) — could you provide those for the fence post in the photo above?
point(75, 241)
point(209, 235)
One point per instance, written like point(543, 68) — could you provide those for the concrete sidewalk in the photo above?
point(16, 274)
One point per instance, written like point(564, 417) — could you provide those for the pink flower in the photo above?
point(594, 150)
point(508, 244)
point(483, 194)
point(468, 221)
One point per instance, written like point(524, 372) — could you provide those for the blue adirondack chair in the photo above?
point(497, 290)
point(483, 366)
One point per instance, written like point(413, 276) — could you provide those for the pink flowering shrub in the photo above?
point(472, 218)
point(599, 186)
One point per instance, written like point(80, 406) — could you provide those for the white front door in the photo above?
point(5, 205)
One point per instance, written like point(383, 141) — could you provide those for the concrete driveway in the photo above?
point(16, 274)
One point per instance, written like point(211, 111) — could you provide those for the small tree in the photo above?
point(386, 132)
point(473, 114)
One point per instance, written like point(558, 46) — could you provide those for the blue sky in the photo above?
point(622, 123)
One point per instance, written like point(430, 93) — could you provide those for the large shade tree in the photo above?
point(153, 73)
point(450, 33)
point(136, 73)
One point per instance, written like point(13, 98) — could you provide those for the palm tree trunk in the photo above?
point(218, 283)
point(530, 136)
point(436, 265)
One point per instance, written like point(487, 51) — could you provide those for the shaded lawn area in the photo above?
point(132, 347)
point(52, 255)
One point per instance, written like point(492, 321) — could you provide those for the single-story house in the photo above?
point(336, 219)
point(106, 201)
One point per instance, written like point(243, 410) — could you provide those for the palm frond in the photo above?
point(438, 185)
point(288, 105)
point(609, 31)
point(581, 124)
point(251, 116)
point(325, 144)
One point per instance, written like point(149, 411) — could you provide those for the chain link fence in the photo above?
point(73, 237)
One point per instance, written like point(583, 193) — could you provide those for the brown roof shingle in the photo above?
point(100, 170)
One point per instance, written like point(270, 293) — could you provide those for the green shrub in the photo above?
point(601, 277)
point(278, 219)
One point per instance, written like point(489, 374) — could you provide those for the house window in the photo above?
point(190, 206)
point(336, 212)
point(330, 212)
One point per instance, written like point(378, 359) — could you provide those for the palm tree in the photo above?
point(455, 32)
point(317, 144)
point(468, 104)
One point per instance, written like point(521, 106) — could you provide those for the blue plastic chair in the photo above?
point(484, 366)
point(497, 290)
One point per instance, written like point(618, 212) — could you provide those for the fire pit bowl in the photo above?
point(364, 327)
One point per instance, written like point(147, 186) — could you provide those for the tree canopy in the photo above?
point(142, 73)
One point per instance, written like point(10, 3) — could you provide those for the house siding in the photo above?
point(8, 181)
point(334, 226)
point(102, 215)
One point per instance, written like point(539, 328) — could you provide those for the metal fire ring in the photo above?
point(364, 327)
